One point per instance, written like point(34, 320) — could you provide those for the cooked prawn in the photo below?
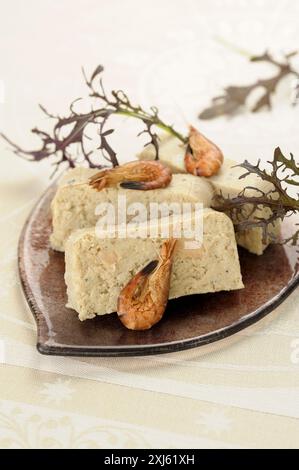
point(134, 175)
point(142, 302)
point(202, 158)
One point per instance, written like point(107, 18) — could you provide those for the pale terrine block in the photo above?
point(227, 181)
point(73, 206)
point(171, 152)
point(98, 268)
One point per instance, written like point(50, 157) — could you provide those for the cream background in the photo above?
point(244, 394)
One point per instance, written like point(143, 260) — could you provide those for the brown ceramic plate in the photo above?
point(188, 322)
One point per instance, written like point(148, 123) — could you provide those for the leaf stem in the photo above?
point(167, 128)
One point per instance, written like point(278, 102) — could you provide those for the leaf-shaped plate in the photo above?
point(188, 322)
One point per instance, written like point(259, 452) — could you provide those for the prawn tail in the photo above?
point(98, 176)
point(168, 249)
point(98, 181)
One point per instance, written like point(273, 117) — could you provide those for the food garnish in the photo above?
point(142, 302)
point(71, 132)
point(202, 157)
point(284, 177)
point(138, 175)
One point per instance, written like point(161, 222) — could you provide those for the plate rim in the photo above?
point(137, 350)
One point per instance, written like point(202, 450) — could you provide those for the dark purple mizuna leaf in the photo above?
point(72, 130)
point(277, 199)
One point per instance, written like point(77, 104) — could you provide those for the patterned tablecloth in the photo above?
point(244, 393)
